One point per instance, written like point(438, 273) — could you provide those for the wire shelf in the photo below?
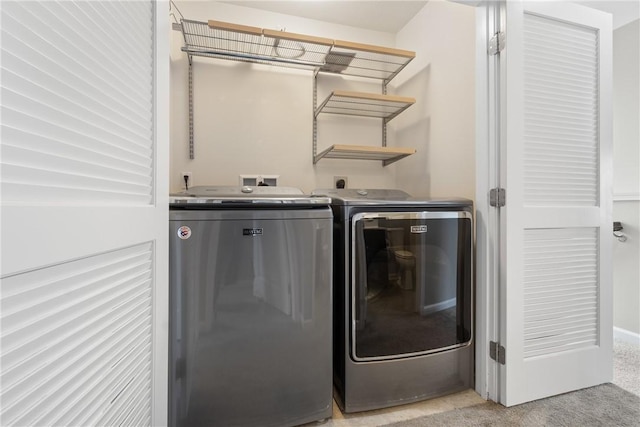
point(223, 40)
point(361, 152)
point(362, 60)
point(365, 104)
point(216, 39)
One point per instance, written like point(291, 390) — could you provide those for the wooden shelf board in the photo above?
point(363, 152)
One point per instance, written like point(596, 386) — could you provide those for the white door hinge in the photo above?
point(496, 43)
point(497, 352)
point(497, 197)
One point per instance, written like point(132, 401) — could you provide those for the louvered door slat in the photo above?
point(121, 34)
point(72, 119)
point(17, 156)
point(34, 174)
point(542, 284)
point(568, 71)
point(66, 291)
point(45, 128)
point(79, 402)
point(85, 329)
point(44, 40)
point(60, 75)
point(80, 75)
point(135, 393)
point(42, 338)
point(79, 107)
point(67, 330)
point(562, 149)
point(47, 79)
point(565, 329)
point(82, 361)
point(550, 318)
point(53, 289)
point(561, 105)
point(52, 392)
point(105, 61)
point(39, 280)
point(561, 281)
point(26, 140)
point(575, 318)
point(78, 342)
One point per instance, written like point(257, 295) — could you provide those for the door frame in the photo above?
point(488, 22)
point(490, 133)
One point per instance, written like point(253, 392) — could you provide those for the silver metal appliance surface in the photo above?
point(403, 297)
point(250, 307)
point(196, 197)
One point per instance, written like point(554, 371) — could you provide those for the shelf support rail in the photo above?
point(191, 145)
point(315, 115)
point(384, 121)
point(208, 53)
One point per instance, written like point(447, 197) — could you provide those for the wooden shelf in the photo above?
point(364, 104)
point(217, 39)
point(224, 40)
point(365, 60)
point(361, 152)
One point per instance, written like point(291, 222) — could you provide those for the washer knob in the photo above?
point(246, 189)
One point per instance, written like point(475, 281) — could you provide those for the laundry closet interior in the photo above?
point(375, 122)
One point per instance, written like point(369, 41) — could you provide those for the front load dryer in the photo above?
point(403, 297)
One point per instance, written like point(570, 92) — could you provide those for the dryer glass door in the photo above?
point(411, 283)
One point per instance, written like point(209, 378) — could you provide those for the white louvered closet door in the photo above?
point(83, 168)
point(556, 280)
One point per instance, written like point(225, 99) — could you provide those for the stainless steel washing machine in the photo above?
point(403, 297)
point(250, 307)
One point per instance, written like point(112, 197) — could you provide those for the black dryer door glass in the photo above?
point(411, 283)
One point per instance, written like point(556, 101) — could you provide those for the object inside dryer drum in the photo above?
point(337, 62)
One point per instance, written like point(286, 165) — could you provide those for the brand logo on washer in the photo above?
point(184, 232)
point(252, 231)
point(418, 228)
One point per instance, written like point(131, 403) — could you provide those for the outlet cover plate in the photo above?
point(336, 179)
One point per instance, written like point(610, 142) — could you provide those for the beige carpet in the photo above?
point(626, 366)
point(604, 405)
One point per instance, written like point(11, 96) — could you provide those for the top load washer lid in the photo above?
point(247, 196)
point(353, 197)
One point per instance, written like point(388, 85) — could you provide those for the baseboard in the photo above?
point(626, 336)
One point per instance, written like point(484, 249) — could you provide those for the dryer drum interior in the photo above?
point(411, 275)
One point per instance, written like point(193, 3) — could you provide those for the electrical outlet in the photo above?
point(251, 180)
point(186, 182)
point(340, 182)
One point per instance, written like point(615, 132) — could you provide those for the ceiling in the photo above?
point(391, 15)
point(388, 16)
point(623, 11)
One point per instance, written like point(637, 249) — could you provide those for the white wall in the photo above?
point(256, 119)
point(626, 152)
point(441, 126)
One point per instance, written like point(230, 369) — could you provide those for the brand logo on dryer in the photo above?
point(252, 231)
point(418, 228)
